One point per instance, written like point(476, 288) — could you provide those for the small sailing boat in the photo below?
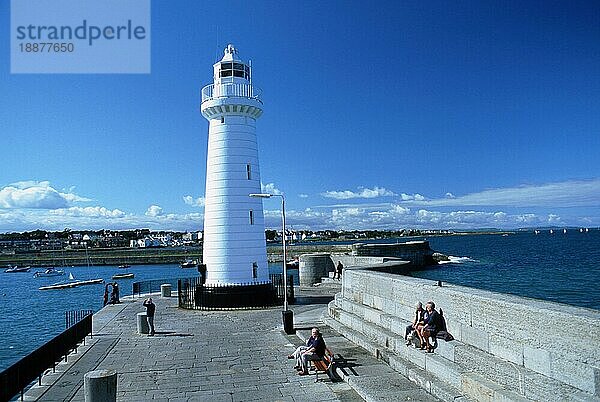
point(49, 272)
point(73, 284)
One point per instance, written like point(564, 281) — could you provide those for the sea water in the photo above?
point(30, 317)
point(558, 267)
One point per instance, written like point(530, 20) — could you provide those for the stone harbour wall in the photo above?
point(419, 253)
point(506, 347)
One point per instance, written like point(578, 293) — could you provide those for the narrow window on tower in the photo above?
point(222, 120)
point(254, 270)
point(251, 217)
point(248, 175)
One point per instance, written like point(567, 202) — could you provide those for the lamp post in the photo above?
point(287, 315)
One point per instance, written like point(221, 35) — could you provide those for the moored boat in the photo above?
point(16, 269)
point(124, 266)
point(123, 276)
point(48, 273)
point(189, 263)
point(67, 285)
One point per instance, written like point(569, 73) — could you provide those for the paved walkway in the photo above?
point(195, 355)
point(221, 356)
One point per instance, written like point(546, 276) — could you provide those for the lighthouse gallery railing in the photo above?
point(213, 91)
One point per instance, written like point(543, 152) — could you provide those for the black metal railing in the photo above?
point(277, 280)
point(194, 294)
point(17, 377)
point(151, 286)
point(74, 316)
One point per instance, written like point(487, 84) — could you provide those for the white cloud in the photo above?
point(269, 188)
point(36, 195)
point(194, 202)
point(154, 210)
point(361, 193)
point(555, 219)
point(576, 193)
point(413, 197)
point(303, 195)
point(94, 218)
point(399, 210)
point(394, 216)
point(89, 212)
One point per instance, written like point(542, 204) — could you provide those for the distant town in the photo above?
point(41, 240)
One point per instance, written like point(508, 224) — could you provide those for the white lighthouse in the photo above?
point(234, 249)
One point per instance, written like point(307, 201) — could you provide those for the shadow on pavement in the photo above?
point(345, 364)
point(171, 333)
point(306, 300)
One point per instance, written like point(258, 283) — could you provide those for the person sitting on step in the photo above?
point(432, 325)
point(418, 320)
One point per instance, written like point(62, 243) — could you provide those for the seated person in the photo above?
point(432, 325)
point(314, 350)
point(418, 320)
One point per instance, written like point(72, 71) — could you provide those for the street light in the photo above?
point(287, 315)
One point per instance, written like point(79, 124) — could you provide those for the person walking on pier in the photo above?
point(338, 270)
point(150, 308)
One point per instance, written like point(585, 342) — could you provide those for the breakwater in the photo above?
point(139, 256)
point(110, 256)
point(506, 347)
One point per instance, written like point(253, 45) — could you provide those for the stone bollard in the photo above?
point(142, 324)
point(100, 386)
point(313, 267)
point(165, 290)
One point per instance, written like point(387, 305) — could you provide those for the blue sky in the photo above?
point(405, 114)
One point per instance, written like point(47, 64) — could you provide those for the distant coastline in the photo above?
point(175, 255)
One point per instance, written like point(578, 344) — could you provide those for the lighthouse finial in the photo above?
point(230, 49)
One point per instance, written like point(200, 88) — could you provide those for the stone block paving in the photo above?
point(194, 356)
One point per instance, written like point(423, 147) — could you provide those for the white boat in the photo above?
point(189, 263)
point(67, 285)
point(123, 276)
point(16, 269)
point(48, 273)
point(72, 284)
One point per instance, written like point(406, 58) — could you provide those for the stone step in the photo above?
point(477, 387)
point(407, 369)
point(380, 340)
point(453, 359)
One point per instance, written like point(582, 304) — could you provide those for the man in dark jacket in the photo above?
point(314, 350)
point(150, 308)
